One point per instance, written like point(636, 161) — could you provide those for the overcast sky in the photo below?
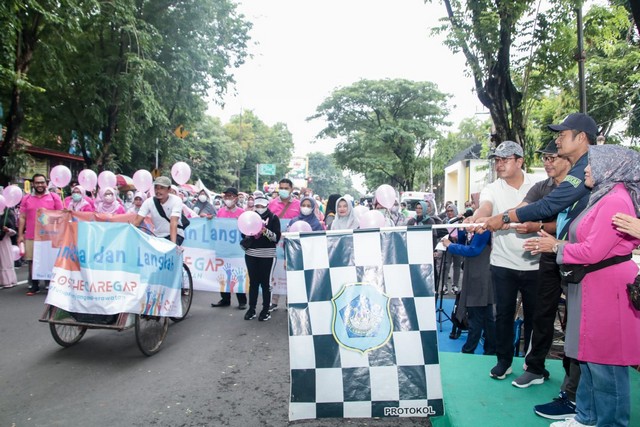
point(303, 50)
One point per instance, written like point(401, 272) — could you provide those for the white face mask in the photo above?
point(261, 210)
point(394, 209)
point(108, 198)
point(229, 203)
point(306, 211)
point(202, 198)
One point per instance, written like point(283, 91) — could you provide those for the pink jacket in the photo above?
point(609, 325)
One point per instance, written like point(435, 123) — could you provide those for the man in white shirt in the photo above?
point(512, 269)
point(167, 225)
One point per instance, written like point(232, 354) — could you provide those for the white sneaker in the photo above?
point(569, 422)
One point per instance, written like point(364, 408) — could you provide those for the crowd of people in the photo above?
point(525, 237)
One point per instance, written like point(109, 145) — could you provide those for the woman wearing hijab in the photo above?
point(345, 217)
point(603, 328)
point(203, 206)
point(109, 203)
point(308, 215)
point(78, 201)
point(422, 217)
point(330, 214)
point(138, 198)
point(8, 277)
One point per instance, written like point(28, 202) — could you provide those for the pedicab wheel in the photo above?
point(67, 335)
point(186, 296)
point(150, 333)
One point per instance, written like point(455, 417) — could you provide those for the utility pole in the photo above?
point(581, 57)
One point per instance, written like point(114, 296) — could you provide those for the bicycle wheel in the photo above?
point(150, 333)
point(66, 335)
point(186, 295)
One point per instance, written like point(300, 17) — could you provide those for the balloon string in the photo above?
point(6, 212)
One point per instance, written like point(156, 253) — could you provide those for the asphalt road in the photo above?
point(214, 369)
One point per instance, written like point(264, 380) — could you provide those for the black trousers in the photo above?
point(549, 291)
point(226, 297)
point(481, 319)
point(259, 270)
point(507, 283)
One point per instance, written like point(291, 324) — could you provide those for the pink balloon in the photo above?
point(12, 195)
point(386, 195)
point(360, 210)
point(88, 179)
point(300, 226)
point(107, 179)
point(250, 223)
point(143, 180)
point(3, 203)
point(372, 219)
point(60, 176)
point(181, 172)
point(16, 252)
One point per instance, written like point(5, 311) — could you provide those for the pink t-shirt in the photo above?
point(30, 205)
point(277, 206)
point(224, 212)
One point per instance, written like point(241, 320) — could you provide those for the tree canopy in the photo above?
point(384, 127)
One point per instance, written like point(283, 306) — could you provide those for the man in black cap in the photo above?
point(576, 132)
point(230, 210)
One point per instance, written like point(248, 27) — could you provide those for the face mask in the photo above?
point(394, 209)
point(108, 198)
point(76, 197)
point(306, 211)
point(229, 203)
point(202, 198)
point(261, 210)
point(284, 194)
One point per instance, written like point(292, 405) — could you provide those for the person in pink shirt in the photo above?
point(230, 209)
point(284, 206)
point(41, 198)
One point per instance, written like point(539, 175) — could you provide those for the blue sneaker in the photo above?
point(561, 408)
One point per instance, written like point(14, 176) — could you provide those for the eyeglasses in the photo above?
point(503, 159)
point(549, 159)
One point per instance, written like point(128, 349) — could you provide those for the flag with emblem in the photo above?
point(362, 324)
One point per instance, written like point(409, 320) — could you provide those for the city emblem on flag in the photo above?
point(361, 317)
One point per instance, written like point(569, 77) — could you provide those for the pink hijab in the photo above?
point(113, 207)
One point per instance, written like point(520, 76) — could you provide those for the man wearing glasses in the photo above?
point(41, 198)
point(567, 201)
point(512, 269)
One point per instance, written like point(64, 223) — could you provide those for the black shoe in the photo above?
point(250, 314)
point(221, 303)
point(264, 315)
point(500, 371)
point(242, 306)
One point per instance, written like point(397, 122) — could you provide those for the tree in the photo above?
point(22, 25)
point(260, 144)
point(134, 72)
point(499, 62)
point(327, 178)
point(385, 127)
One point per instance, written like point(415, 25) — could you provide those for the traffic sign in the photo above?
point(267, 169)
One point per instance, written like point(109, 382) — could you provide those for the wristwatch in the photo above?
point(505, 217)
point(555, 248)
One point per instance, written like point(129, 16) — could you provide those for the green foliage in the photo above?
point(327, 177)
point(259, 144)
point(384, 128)
point(132, 72)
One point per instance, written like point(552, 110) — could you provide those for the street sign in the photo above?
point(267, 169)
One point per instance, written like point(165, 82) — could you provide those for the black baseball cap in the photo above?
point(577, 121)
point(551, 148)
point(231, 190)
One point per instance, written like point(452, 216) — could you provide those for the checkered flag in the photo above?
point(362, 325)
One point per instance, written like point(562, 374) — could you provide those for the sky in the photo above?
point(302, 50)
